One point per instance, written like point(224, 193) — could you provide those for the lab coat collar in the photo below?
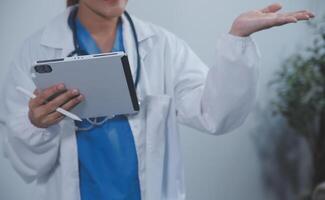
point(57, 28)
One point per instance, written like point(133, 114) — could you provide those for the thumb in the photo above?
point(272, 8)
point(37, 91)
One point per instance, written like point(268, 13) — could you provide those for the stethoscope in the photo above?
point(79, 52)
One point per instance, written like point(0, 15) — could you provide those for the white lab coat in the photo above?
point(175, 85)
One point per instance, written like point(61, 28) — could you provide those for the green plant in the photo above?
point(300, 86)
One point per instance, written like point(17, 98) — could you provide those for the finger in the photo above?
point(67, 106)
point(37, 91)
point(73, 102)
point(284, 20)
point(272, 8)
point(300, 15)
point(50, 120)
point(45, 94)
point(278, 21)
point(37, 114)
point(61, 99)
point(33, 102)
point(306, 12)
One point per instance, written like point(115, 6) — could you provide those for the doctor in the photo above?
point(128, 157)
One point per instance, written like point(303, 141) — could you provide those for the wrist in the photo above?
point(236, 32)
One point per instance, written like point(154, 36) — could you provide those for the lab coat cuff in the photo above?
point(53, 130)
point(238, 48)
point(48, 132)
point(22, 123)
point(238, 38)
point(241, 43)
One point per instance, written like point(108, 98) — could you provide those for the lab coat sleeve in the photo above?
point(32, 151)
point(217, 100)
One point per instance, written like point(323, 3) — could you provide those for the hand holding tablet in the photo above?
point(52, 115)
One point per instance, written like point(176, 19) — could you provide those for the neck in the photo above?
point(102, 29)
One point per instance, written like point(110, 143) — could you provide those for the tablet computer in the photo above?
point(105, 80)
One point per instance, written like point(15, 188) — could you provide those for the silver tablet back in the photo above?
point(104, 79)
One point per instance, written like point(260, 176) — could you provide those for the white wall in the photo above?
point(224, 167)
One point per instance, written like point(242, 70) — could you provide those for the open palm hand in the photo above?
point(254, 21)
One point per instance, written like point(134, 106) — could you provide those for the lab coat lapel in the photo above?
point(58, 34)
point(143, 34)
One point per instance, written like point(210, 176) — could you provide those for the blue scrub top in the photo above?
point(108, 165)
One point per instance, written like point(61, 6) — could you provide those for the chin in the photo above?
point(107, 8)
point(113, 12)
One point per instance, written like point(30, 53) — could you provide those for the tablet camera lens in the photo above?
point(42, 69)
